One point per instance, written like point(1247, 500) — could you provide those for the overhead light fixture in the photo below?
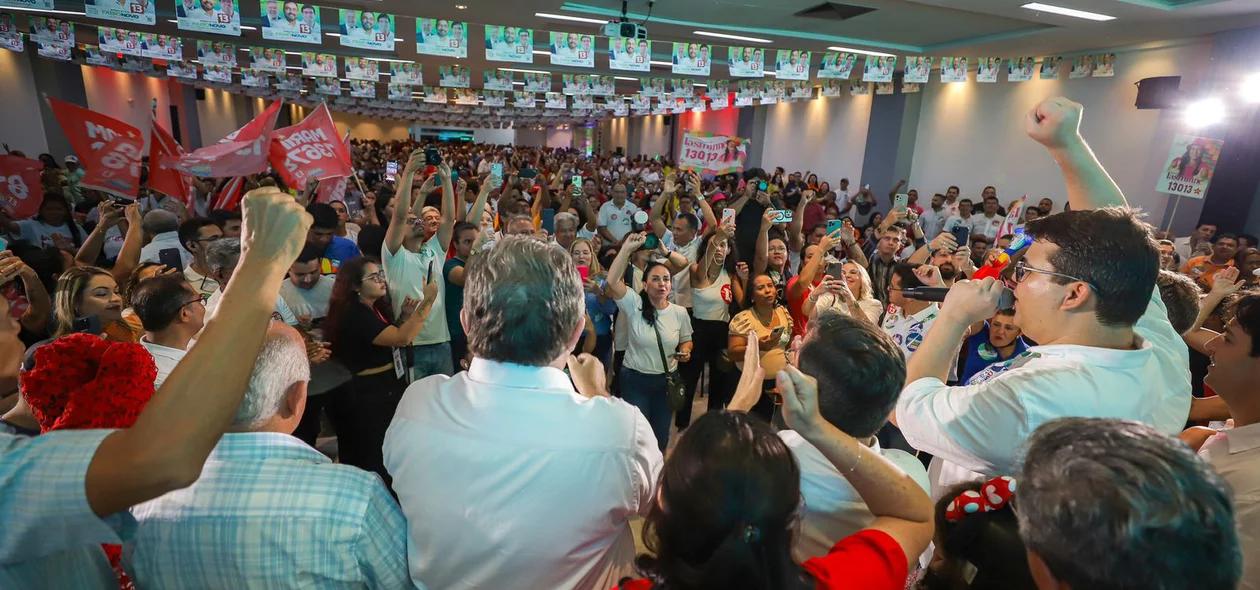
point(461, 7)
point(1205, 112)
point(626, 78)
point(700, 85)
point(518, 83)
point(248, 28)
point(1072, 12)
point(576, 19)
point(662, 63)
point(860, 51)
point(69, 12)
point(728, 36)
point(1251, 88)
point(524, 71)
point(541, 52)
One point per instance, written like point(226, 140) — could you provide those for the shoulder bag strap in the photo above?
point(660, 347)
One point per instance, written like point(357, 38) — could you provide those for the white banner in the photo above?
point(712, 154)
point(1191, 163)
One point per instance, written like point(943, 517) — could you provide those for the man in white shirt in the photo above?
point(962, 219)
point(681, 236)
point(172, 313)
point(653, 174)
point(471, 454)
point(616, 217)
point(164, 227)
point(933, 218)
point(1197, 243)
point(952, 203)
point(990, 222)
point(223, 255)
point(1106, 346)
point(194, 234)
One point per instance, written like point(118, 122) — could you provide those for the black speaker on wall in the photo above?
point(200, 93)
point(1159, 93)
point(175, 124)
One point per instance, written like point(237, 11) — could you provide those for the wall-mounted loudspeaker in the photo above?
point(1159, 93)
point(200, 93)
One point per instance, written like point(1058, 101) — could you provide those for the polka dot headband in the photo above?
point(994, 495)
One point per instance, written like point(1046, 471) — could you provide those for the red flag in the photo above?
point(309, 150)
point(165, 180)
point(109, 150)
point(335, 190)
point(20, 188)
point(230, 197)
point(1014, 216)
point(242, 152)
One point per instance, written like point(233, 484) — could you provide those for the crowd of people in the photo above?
point(508, 344)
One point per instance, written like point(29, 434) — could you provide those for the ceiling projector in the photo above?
point(626, 30)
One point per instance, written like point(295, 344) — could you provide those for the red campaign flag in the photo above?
point(166, 180)
point(230, 197)
point(335, 190)
point(309, 150)
point(242, 152)
point(20, 189)
point(109, 150)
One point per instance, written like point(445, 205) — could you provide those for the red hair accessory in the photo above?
point(81, 381)
point(994, 495)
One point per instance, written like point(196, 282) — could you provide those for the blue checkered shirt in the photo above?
point(271, 512)
point(49, 536)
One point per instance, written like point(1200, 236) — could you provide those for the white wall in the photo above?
point(531, 137)
point(972, 135)
point(559, 138)
point(495, 136)
point(649, 136)
point(23, 127)
point(362, 127)
point(615, 134)
point(826, 135)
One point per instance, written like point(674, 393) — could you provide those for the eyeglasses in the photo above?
point(375, 277)
point(1022, 269)
point(202, 298)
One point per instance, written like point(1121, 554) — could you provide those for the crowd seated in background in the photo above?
point(481, 372)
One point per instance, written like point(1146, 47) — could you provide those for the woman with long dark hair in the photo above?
point(714, 287)
point(769, 321)
point(52, 226)
point(979, 550)
point(361, 327)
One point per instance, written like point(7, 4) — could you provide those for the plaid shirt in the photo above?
point(271, 512)
point(50, 537)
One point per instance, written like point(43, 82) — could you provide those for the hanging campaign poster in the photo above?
point(884, 88)
point(1020, 69)
point(837, 65)
point(918, 68)
point(466, 96)
point(117, 41)
point(454, 77)
point(576, 84)
point(537, 82)
point(254, 78)
point(802, 89)
point(1081, 66)
point(718, 88)
point(621, 110)
point(494, 98)
point(496, 80)
point(910, 87)
point(524, 100)
point(720, 102)
point(603, 85)
point(556, 100)
point(161, 46)
point(632, 55)
point(572, 49)
point(328, 86)
point(879, 68)
point(1105, 65)
point(859, 88)
point(652, 87)
point(10, 35)
point(712, 154)
point(95, 57)
point(319, 65)
point(398, 92)
point(290, 81)
point(362, 89)
point(139, 12)
point(441, 37)
point(51, 30)
point(29, 4)
point(222, 17)
point(792, 64)
point(514, 44)
point(217, 73)
point(1191, 163)
point(365, 29)
point(362, 68)
point(832, 88)
point(434, 95)
point(691, 59)
point(987, 69)
point(953, 69)
point(266, 59)
point(212, 53)
point(640, 102)
point(745, 62)
point(1050, 67)
point(144, 65)
point(57, 51)
point(181, 69)
point(406, 73)
point(297, 22)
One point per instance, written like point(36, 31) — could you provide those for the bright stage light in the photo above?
point(1205, 112)
point(1251, 88)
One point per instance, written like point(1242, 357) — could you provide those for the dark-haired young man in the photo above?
point(194, 234)
point(323, 236)
point(1086, 293)
point(172, 312)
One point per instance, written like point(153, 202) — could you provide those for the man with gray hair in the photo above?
point(1108, 503)
point(222, 256)
point(268, 510)
point(163, 228)
point(476, 457)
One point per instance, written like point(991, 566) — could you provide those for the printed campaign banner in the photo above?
point(1050, 67)
point(117, 41)
point(319, 65)
point(556, 100)
point(859, 88)
point(220, 17)
point(328, 86)
point(216, 73)
point(362, 89)
point(691, 59)
point(792, 64)
point(833, 87)
point(215, 53)
point(254, 78)
point(837, 65)
point(513, 44)
point(398, 92)
point(95, 57)
point(631, 55)
point(910, 87)
point(799, 89)
point(408, 73)
point(434, 95)
point(884, 88)
point(680, 86)
point(1020, 69)
point(1104, 65)
point(363, 68)
point(745, 62)
point(987, 69)
point(161, 46)
point(10, 34)
point(131, 63)
point(576, 84)
point(52, 30)
point(364, 29)
point(299, 23)
point(524, 100)
point(465, 96)
point(953, 69)
point(1082, 65)
point(290, 81)
point(720, 102)
point(454, 77)
point(181, 69)
point(640, 102)
point(603, 85)
point(57, 51)
point(712, 154)
point(572, 49)
point(137, 12)
point(441, 37)
point(918, 69)
point(537, 82)
point(584, 102)
point(494, 98)
point(29, 4)
point(879, 68)
point(621, 110)
point(1191, 163)
point(652, 87)
point(495, 79)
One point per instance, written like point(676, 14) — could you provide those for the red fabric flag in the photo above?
point(165, 180)
point(109, 150)
point(336, 189)
point(20, 189)
point(1014, 217)
point(242, 152)
point(309, 150)
point(230, 197)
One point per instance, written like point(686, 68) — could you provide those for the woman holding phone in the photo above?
point(769, 322)
point(599, 307)
point(714, 286)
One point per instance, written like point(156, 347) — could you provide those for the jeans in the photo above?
point(647, 392)
point(430, 359)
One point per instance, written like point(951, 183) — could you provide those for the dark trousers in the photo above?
point(603, 348)
point(765, 406)
point(709, 340)
point(368, 409)
point(328, 403)
point(647, 392)
point(619, 357)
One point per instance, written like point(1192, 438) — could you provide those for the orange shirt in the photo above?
point(1201, 269)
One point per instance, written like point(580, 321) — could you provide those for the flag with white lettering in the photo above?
point(242, 152)
point(20, 189)
point(1013, 217)
point(309, 150)
point(335, 189)
point(108, 149)
point(162, 146)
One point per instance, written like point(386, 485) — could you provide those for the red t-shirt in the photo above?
point(868, 560)
point(795, 306)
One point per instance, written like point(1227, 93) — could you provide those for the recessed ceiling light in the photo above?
point(860, 51)
point(576, 19)
point(1067, 11)
point(735, 37)
point(524, 71)
point(626, 78)
point(461, 7)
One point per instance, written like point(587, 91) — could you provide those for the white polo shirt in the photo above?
point(618, 220)
point(165, 357)
point(1235, 454)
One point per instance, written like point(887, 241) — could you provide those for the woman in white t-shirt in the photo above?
point(656, 328)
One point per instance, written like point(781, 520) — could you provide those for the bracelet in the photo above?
point(857, 459)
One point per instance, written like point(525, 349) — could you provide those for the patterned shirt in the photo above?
point(51, 538)
point(271, 512)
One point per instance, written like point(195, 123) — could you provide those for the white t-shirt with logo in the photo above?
point(407, 272)
point(618, 220)
point(986, 226)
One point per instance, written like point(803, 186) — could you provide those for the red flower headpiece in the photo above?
point(994, 495)
point(81, 381)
